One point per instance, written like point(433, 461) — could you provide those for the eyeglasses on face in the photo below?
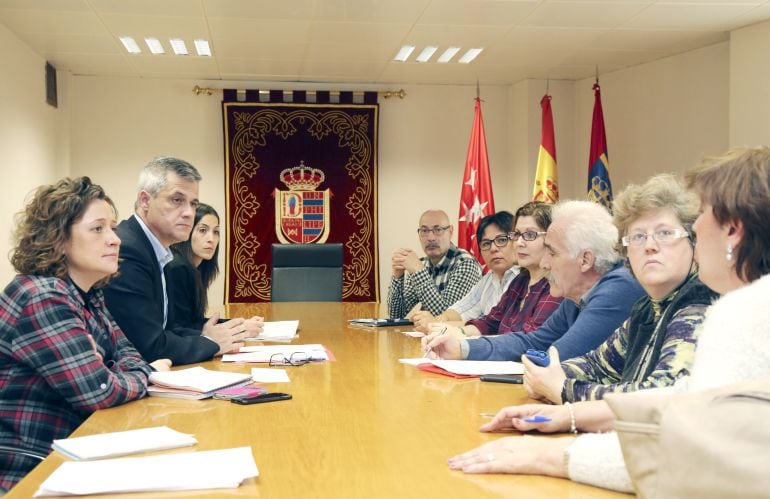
point(500, 241)
point(662, 236)
point(527, 235)
point(424, 231)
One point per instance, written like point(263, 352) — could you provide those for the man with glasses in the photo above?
point(440, 278)
point(493, 236)
point(585, 268)
point(137, 298)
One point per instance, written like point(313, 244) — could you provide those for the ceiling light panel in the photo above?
point(178, 45)
point(130, 44)
point(202, 47)
point(448, 54)
point(404, 53)
point(471, 54)
point(154, 45)
point(426, 53)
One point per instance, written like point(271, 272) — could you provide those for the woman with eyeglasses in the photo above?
point(527, 302)
point(655, 345)
point(494, 241)
point(733, 253)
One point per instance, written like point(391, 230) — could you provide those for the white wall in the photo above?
point(33, 135)
point(749, 89)
point(119, 124)
point(660, 116)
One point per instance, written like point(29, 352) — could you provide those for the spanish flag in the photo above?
point(599, 185)
point(546, 180)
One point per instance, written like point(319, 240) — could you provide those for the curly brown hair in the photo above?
point(45, 225)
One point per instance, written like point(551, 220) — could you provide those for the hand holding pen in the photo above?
point(444, 344)
point(544, 418)
point(429, 350)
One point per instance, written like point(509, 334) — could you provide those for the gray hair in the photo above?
point(154, 176)
point(588, 226)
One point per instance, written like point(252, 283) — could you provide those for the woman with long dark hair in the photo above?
point(194, 268)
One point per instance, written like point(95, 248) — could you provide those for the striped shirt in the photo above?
point(654, 347)
point(434, 286)
point(484, 295)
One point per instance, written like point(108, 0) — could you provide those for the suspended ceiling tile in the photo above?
point(357, 32)
point(47, 43)
point(478, 13)
point(684, 16)
point(371, 11)
point(172, 8)
point(261, 9)
point(584, 14)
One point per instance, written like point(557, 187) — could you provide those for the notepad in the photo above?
point(216, 469)
point(122, 443)
point(193, 383)
point(278, 331)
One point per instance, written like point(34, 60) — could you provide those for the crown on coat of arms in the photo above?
point(302, 178)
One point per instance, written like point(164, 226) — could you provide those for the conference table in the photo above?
point(360, 426)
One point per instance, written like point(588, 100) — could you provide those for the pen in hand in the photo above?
point(443, 330)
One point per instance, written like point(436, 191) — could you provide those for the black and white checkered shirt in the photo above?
point(436, 287)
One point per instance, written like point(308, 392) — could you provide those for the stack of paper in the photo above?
point(278, 331)
point(470, 367)
point(263, 353)
point(186, 471)
point(193, 383)
point(122, 443)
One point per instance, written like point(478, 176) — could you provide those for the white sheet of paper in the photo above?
point(470, 367)
point(122, 443)
point(479, 367)
point(183, 471)
point(278, 330)
point(413, 334)
point(415, 362)
point(269, 375)
point(262, 353)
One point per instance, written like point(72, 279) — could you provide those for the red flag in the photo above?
point(476, 200)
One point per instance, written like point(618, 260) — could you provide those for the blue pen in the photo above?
point(537, 419)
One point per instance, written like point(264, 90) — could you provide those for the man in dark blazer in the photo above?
point(137, 298)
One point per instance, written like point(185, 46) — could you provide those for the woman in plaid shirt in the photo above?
point(61, 354)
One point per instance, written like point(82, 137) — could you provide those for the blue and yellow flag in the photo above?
point(599, 185)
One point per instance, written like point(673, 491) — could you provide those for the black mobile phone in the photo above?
point(516, 379)
point(265, 397)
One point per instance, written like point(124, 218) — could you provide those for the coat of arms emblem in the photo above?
point(302, 212)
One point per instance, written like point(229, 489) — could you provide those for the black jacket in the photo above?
point(135, 300)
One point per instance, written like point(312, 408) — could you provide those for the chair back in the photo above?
point(306, 272)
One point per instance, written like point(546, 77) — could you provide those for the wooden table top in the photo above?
point(362, 426)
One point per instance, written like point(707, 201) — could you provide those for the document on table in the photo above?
point(193, 383)
point(122, 443)
point(470, 367)
point(216, 469)
point(262, 353)
point(269, 375)
point(278, 331)
point(413, 334)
